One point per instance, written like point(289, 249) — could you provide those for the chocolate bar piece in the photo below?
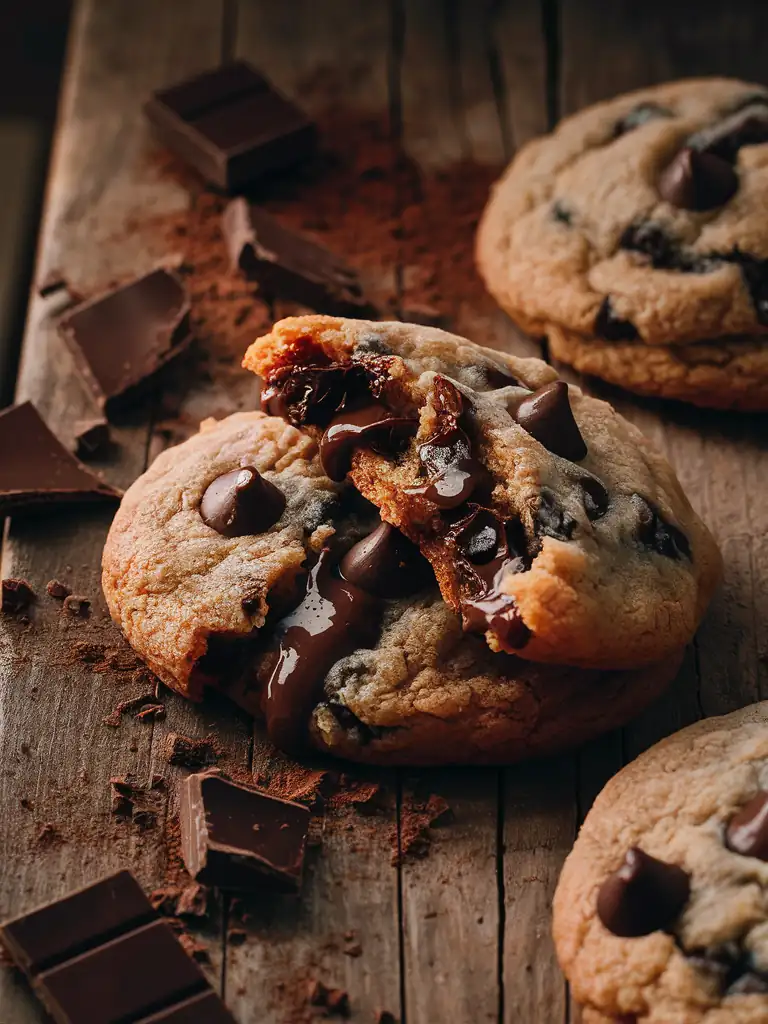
point(231, 125)
point(287, 265)
point(239, 837)
point(120, 339)
point(102, 956)
point(36, 469)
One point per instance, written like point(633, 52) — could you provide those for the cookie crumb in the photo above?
point(57, 589)
point(17, 596)
point(77, 604)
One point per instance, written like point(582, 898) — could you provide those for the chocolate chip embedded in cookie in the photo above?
point(552, 525)
point(660, 913)
point(688, 158)
point(326, 621)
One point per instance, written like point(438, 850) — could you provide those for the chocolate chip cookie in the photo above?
point(552, 525)
point(660, 913)
point(639, 219)
point(235, 563)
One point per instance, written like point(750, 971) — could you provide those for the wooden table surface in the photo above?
point(462, 935)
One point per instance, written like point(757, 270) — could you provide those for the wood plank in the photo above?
point(333, 61)
point(51, 702)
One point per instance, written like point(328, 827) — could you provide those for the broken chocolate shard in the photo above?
point(36, 469)
point(547, 415)
point(386, 564)
point(698, 181)
point(334, 619)
point(92, 439)
point(231, 126)
point(372, 427)
point(122, 338)
point(642, 896)
point(241, 503)
point(287, 265)
point(17, 596)
point(238, 837)
point(747, 831)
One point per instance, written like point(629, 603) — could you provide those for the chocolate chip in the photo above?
point(750, 983)
point(547, 416)
point(656, 533)
point(746, 127)
point(664, 253)
point(747, 831)
point(551, 520)
point(612, 327)
point(314, 394)
point(638, 116)
point(595, 498)
point(754, 271)
point(560, 213)
point(644, 895)
point(698, 181)
point(17, 596)
point(386, 564)
point(372, 427)
point(241, 502)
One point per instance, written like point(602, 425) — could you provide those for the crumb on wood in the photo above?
point(57, 589)
point(151, 713)
point(49, 835)
point(417, 817)
point(188, 753)
point(77, 605)
point(334, 1000)
point(17, 596)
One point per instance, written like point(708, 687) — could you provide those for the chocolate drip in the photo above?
point(547, 415)
point(455, 474)
point(371, 426)
point(334, 619)
point(486, 551)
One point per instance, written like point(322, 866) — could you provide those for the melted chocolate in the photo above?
point(654, 532)
point(334, 619)
point(486, 550)
point(240, 503)
point(595, 498)
point(371, 426)
point(386, 564)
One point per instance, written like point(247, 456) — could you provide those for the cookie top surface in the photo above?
point(578, 548)
point(641, 217)
point(209, 610)
point(692, 802)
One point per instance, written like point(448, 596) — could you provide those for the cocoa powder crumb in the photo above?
point(17, 596)
point(57, 589)
point(416, 819)
point(193, 754)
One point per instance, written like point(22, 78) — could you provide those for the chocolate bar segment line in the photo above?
point(231, 125)
point(239, 837)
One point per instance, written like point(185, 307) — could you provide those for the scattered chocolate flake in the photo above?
point(92, 439)
point(57, 589)
point(77, 604)
point(188, 753)
point(17, 596)
point(335, 1000)
point(416, 819)
point(151, 713)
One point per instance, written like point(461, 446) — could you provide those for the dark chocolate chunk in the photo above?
point(386, 564)
point(92, 439)
point(241, 503)
point(547, 416)
point(17, 596)
point(644, 895)
point(595, 497)
point(371, 426)
point(638, 116)
point(100, 956)
point(551, 520)
point(745, 127)
point(314, 394)
point(655, 532)
point(611, 327)
point(486, 550)
point(747, 831)
point(697, 180)
point(35, 469)
point(334, 619)
point(286, 265)
point(561, 213)
point(754, 271)
point(239, 837)
point(121, 339)
point(231, 125)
